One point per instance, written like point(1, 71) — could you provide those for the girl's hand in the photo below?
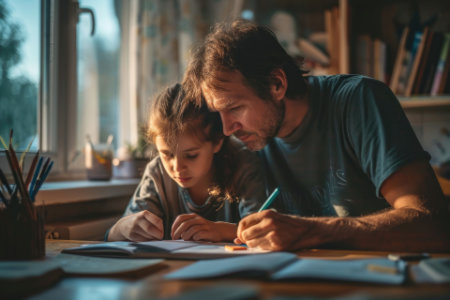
point(138, 227)
point(192, 227)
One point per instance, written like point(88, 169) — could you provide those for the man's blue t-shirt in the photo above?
point(354, 136)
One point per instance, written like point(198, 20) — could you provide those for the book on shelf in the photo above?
point(411, 47)
point(431, 63)
point(419, 45)
point(170, 249)
point(344, 17)
point(364, 55)
point(371, 57)
point(438, 76)
point(423, 63)
point(445, 80)
point(332, 30)
point(445, 85)
point(379, 60)
point(287, 266)
point(401, 52)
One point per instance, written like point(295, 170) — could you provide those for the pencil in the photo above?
point(31, 170)
point(269, 200)
point(17, 175)
point(5, 181)
point(36, 173)
point(41, 180)
point(3, 198)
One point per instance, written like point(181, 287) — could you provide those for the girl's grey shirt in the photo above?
point(161, 195)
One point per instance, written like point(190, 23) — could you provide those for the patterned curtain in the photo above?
point(158, 53)
point(168, 30)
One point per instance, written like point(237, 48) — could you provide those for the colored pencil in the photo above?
point(269, 200)
point(41, 180)
point(5, 182)
point(31, 170)
point(36, 174)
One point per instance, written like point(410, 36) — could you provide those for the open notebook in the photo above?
point(170, 249)
point(287, 266)
point(19, 277)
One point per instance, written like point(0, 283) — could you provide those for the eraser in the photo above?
point(235, 248)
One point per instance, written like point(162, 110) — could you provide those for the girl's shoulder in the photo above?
point(155, 168)
point(156, 175)
point(243, 155)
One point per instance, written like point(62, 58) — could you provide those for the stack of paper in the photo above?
point(287, 266)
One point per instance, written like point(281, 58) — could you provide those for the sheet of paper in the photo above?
point(377, 270)
point(169, 249)
point(124, 248)
point(283, 265)
point(165, 245)
point(190, 249)
point(87, 265)
point(432, 270)
point(259, 265)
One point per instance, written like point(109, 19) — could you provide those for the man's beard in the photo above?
point(269, 129)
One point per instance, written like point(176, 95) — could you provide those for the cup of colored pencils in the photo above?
point(21, 222)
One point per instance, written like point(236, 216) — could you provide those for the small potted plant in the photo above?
point(130, 160)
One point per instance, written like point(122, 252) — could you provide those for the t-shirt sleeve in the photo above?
point(146, 196)
point(378, 131)
point(250, 183)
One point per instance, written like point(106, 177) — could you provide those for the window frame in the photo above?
point(58, 86)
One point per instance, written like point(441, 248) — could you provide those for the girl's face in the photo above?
point(190, 163)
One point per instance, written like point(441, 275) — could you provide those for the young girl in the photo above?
point(201, 184)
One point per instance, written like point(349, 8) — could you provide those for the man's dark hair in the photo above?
point(242, 46)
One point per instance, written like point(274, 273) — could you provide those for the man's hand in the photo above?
point(270, 230)
point(138, 227)
point(192, 227)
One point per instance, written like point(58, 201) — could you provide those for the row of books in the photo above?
point(422, 63)
point(337, 31)
point(329, 50)
point(371, 58)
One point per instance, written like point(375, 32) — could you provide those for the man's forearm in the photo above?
point(402, 229)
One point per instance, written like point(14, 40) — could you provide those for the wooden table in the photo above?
point(154, 287)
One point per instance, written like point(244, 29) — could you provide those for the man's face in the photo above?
point(243, 113)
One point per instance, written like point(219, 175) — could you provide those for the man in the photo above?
point(351, 171)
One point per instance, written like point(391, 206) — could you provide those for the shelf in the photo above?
point(78, 191)
point(425, 101)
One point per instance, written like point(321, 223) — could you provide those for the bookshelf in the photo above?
point(425, 101)
point(366, 38)
point(414, 33)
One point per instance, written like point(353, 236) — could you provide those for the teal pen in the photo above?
point(269, 200)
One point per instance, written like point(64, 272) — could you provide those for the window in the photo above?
point(19, 67)
point(98, 58)
point(59, 83)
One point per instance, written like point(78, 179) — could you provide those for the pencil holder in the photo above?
point(21, 237)
point(21, 222)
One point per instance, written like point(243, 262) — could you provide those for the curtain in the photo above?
point(157, 39)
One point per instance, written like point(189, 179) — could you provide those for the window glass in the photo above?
point(98, 72)
point(19, 70)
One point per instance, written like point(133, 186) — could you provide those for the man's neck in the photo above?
point(295, 112)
